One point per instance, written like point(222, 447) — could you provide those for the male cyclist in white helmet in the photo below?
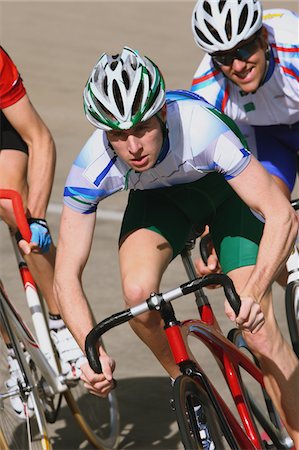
point(183, 164)
point(251, 73)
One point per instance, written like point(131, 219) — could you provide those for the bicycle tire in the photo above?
point(97, 417)
point(187, 394)
point(21, 434)
point(265, 415)
point(292, 313)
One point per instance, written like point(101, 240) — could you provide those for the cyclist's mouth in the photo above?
point(140, 162)
point(246, 75)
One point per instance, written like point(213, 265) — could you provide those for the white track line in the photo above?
point(115, 216)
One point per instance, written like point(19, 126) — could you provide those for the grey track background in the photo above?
point(55, 44)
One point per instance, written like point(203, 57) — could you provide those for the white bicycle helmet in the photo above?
point(123, 90)
point(220, 25)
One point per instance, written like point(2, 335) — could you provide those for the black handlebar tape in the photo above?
point(203, 247)
point(91, 341)
point(295, 204)
point(217, 278)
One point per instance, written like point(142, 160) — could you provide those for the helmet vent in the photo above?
point(228, 25)
point(213, 31)
point(126, 79)
point(117, 97)
point(255, 18)
point(137, 99)
point(156, 95)
point(202, 36)
point(105, 85)
point(221, 5)
point(243, 19)
point(113, 65)
point(207, 7)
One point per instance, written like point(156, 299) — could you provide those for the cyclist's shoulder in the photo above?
point(194, 113)
point(11, 84)
point(282, 26)
point(95, 149)
point(187, 108)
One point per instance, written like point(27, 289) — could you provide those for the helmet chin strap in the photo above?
point(165, 143)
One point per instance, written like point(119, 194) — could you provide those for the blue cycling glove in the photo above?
point(40, 233)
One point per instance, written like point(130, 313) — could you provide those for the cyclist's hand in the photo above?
point(212, 267)
point(40, 238)
point(99, 384)
point(250, 318)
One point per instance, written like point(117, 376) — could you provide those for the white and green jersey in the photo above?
point(276, 102)
point(199, 140)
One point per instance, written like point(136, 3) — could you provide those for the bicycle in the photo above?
point(41, 382)
point(251, 425)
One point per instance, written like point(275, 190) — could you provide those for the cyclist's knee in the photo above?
point(135, 292)
point(264, 343)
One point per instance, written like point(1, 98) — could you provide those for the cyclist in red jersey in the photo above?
point(27, 164)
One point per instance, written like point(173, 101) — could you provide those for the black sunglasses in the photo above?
point(242, 53)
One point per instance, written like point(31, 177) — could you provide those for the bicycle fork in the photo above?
point(38, 319)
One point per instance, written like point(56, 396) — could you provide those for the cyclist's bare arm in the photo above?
point(73, 249)
point(42, 154)
point(281, 226)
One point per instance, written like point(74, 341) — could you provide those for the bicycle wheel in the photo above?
point(292, 313)
point(267, 419)
point(97, 417)
point(189, 396)
point(21, 434)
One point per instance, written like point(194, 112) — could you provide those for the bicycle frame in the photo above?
point(229, 358)
point(18, 330)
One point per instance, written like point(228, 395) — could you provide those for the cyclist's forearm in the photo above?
point(74, 244)
point(41, 167)
point(74, 309)
point(275, 246)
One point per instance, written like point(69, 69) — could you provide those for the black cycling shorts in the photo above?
point(9, 137)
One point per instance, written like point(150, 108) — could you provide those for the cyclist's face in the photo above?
point(140, 146)
point(248, 72)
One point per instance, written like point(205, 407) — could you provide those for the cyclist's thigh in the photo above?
point(236, 234)
point(151, 232)
point(144, 256)
point(154, 211)
point(277, 148)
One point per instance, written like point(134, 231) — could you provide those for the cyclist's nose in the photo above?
point(133, 144)
point(238, 65)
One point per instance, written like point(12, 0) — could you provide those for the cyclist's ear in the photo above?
point(163, 112)
point(264, 38)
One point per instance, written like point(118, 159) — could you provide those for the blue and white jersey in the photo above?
point(277, 100)
point(200, 140)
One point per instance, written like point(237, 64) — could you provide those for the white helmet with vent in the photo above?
point(220, 25)
point(123, 90)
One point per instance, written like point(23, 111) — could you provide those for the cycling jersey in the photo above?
point(11, 91)
point(11, 85)
point(269, 117)
point(188, 154)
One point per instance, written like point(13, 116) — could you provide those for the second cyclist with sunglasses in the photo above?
point(251, 73)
